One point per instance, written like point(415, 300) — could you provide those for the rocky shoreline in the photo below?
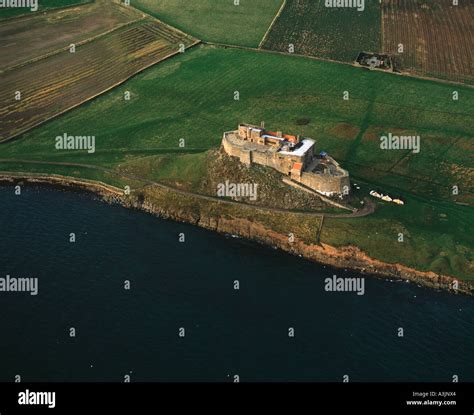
point(349, 257)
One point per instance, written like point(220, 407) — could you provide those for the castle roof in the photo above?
point(273, 136)
point(307, 143)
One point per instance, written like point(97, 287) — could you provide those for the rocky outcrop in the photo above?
point(346, 257)
point(158, 203)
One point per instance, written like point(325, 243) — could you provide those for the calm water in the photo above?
point(190, 285)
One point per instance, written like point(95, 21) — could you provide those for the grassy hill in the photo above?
point(191, 97)
point(216, 20)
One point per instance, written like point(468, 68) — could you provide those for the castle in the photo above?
point(289, 154)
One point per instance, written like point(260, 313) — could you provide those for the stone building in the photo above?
point(291, 155)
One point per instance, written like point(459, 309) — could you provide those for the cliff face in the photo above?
point(347, 257)
point(245, 222)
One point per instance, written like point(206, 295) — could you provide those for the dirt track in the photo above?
point(368, 209)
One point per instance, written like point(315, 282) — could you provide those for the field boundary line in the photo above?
point(145, 12)
point(441, 156)
point(382, 28)
point(444, 153)
point(65, 48)
point(403, 157)
point(321, 59)
point(280, 11)
point(277, 52)
point(320, 229)
point(19, 134)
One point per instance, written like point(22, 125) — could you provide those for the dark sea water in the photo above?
point(191, 285)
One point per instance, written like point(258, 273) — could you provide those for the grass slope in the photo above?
point(192, 97)
point(335, 33)
point(216, 20)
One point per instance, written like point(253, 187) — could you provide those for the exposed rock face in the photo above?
point(346, 257)
point(158, 203)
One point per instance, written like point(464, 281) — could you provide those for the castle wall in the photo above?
point(325, 183)
point(246, 156)
point(230, 149)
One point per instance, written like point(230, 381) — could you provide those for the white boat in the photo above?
point(375, 194)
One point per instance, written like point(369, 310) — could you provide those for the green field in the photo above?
point(192, 97)
point(43, 5)
point(335, 33)
point(218, 21)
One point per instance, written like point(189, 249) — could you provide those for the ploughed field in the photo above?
point(36, 35)
point(50, 79)
point(334, 33)
point(437, 37)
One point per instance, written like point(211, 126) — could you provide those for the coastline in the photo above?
point(349, 257)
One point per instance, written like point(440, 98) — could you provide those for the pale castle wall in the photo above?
point(253, 144)
point(326, 184)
